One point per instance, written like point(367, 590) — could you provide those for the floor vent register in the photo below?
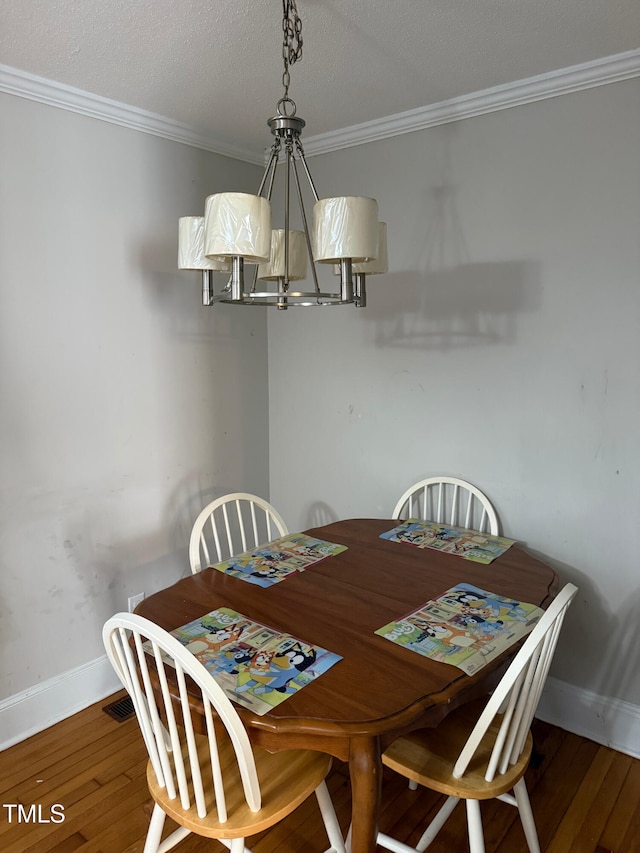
point(120, 710)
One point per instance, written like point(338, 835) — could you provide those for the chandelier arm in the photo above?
point(287, 193)
point(237, 277)
point(272, 177)
point(270, 168)
point(360, 289)
point(207, 287)
point(346, 280)
point(305, 225)
point(270, 174)
point(306, 169)
point(254, 281)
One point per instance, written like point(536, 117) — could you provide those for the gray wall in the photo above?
point(503, 347)
point(124, 404)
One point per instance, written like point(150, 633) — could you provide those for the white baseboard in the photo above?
point(610, 722)
point(39, 707)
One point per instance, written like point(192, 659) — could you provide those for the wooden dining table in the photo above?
point(379, 690)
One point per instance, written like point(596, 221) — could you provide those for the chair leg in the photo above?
point(526, 815)
point(176, 837)
point(239, 845)
point(392, 844)
point(331, 824)
point(154, 833)
point(474, 824)
point(437, 823)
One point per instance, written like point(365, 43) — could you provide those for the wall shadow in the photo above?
point(620, 652)
point(450, 300)
point(593, 631)
point(190, 496)
point(465, 305)
point(319, 514)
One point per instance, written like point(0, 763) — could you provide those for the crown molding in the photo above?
point(576, 78)
point(24, 85)
point(612, 69)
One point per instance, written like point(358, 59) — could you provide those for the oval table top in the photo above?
point(339, 603)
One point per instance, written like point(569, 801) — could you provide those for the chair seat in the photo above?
point(428, 756)
point(286, 779)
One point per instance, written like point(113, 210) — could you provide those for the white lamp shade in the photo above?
point(380, 265)
point(191, 247)
point(275, 268)
point(345, 227)
point(237, 224)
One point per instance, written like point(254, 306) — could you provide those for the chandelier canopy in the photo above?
point(236, 228)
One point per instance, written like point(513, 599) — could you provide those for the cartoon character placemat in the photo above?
point(258, 667)
point(479, 547)
point(273, 562)
point(465, 626)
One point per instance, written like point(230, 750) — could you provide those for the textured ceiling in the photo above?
point(216, 65)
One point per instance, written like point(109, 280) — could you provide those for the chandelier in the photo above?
point(236, 229)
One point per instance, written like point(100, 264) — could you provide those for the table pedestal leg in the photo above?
point(365, 770)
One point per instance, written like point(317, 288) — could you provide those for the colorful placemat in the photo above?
point(257, 666)
point(273, 562)
point(470, 544)
point(465, 626)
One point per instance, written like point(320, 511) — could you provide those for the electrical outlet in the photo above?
point(134, 601)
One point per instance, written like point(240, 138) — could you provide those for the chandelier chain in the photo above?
point(292, 41)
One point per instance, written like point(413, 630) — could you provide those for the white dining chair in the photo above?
point(481, 751)
point(231, 525)
point(448, 500)
point(214, 784)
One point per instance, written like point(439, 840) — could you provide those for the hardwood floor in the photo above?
point(585, 797)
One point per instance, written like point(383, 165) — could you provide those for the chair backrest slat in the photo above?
point(251, 522)
point(254, 526)
point(448, 500)
point(172, 738)
point(135, 646)
point(225, 516)
point(157, 728)
point(216, 540)
point(503, 735)
point(192, 749)
point(216, 771)
point(125, 666)
point(510, 746)
point(518, 694)
point(468, 519)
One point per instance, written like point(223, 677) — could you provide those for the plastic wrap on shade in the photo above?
point(237, 224)
point(380, 265)
point(191, 247)
point(297, 257)
point(345, 227)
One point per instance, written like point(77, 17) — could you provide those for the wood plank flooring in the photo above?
point(585, 797)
